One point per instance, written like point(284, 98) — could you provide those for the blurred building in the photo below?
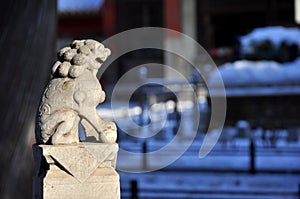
point(212, 23)
point(28, 32)
point(216, 25)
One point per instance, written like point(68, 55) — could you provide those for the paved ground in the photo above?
point(224, 173)
point(210, 185)
point(280, 160)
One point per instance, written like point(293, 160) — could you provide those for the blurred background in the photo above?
point(255, 45)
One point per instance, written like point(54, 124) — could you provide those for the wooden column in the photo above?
point(27, 40)
point(172, 14)
point(109, 18)
point(172, 19)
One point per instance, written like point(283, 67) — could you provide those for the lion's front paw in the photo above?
point(109, 134)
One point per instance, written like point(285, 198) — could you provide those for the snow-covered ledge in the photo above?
point(256, 78)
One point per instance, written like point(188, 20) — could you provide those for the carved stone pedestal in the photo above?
point(85, 170)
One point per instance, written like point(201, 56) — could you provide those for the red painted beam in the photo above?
point(108, 12)
point(77, 26)
point(172, 14)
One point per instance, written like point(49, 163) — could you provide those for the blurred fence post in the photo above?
point(299, 191)
point(134, 189)
point(145, 149)
point(252, 156)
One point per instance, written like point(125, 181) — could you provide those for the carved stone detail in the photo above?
point(65, 167)
point(76, 171)
point(72, 95)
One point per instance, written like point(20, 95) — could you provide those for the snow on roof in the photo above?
point(261, 77)
point(276, 34)
point(255, 73)
point(79, 5)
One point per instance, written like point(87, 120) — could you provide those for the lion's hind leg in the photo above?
point(63, 126)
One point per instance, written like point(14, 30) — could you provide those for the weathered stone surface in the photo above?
point(76, 171)
point(103, 184)
point(65, 167)
point(72, 95)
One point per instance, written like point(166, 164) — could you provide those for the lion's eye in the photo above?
point(98, 59)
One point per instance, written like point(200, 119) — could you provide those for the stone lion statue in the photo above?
point(71, 97)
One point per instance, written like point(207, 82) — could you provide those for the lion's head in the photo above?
point(81, 55)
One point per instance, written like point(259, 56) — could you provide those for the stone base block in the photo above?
point(57, 184)
point(76, 171)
